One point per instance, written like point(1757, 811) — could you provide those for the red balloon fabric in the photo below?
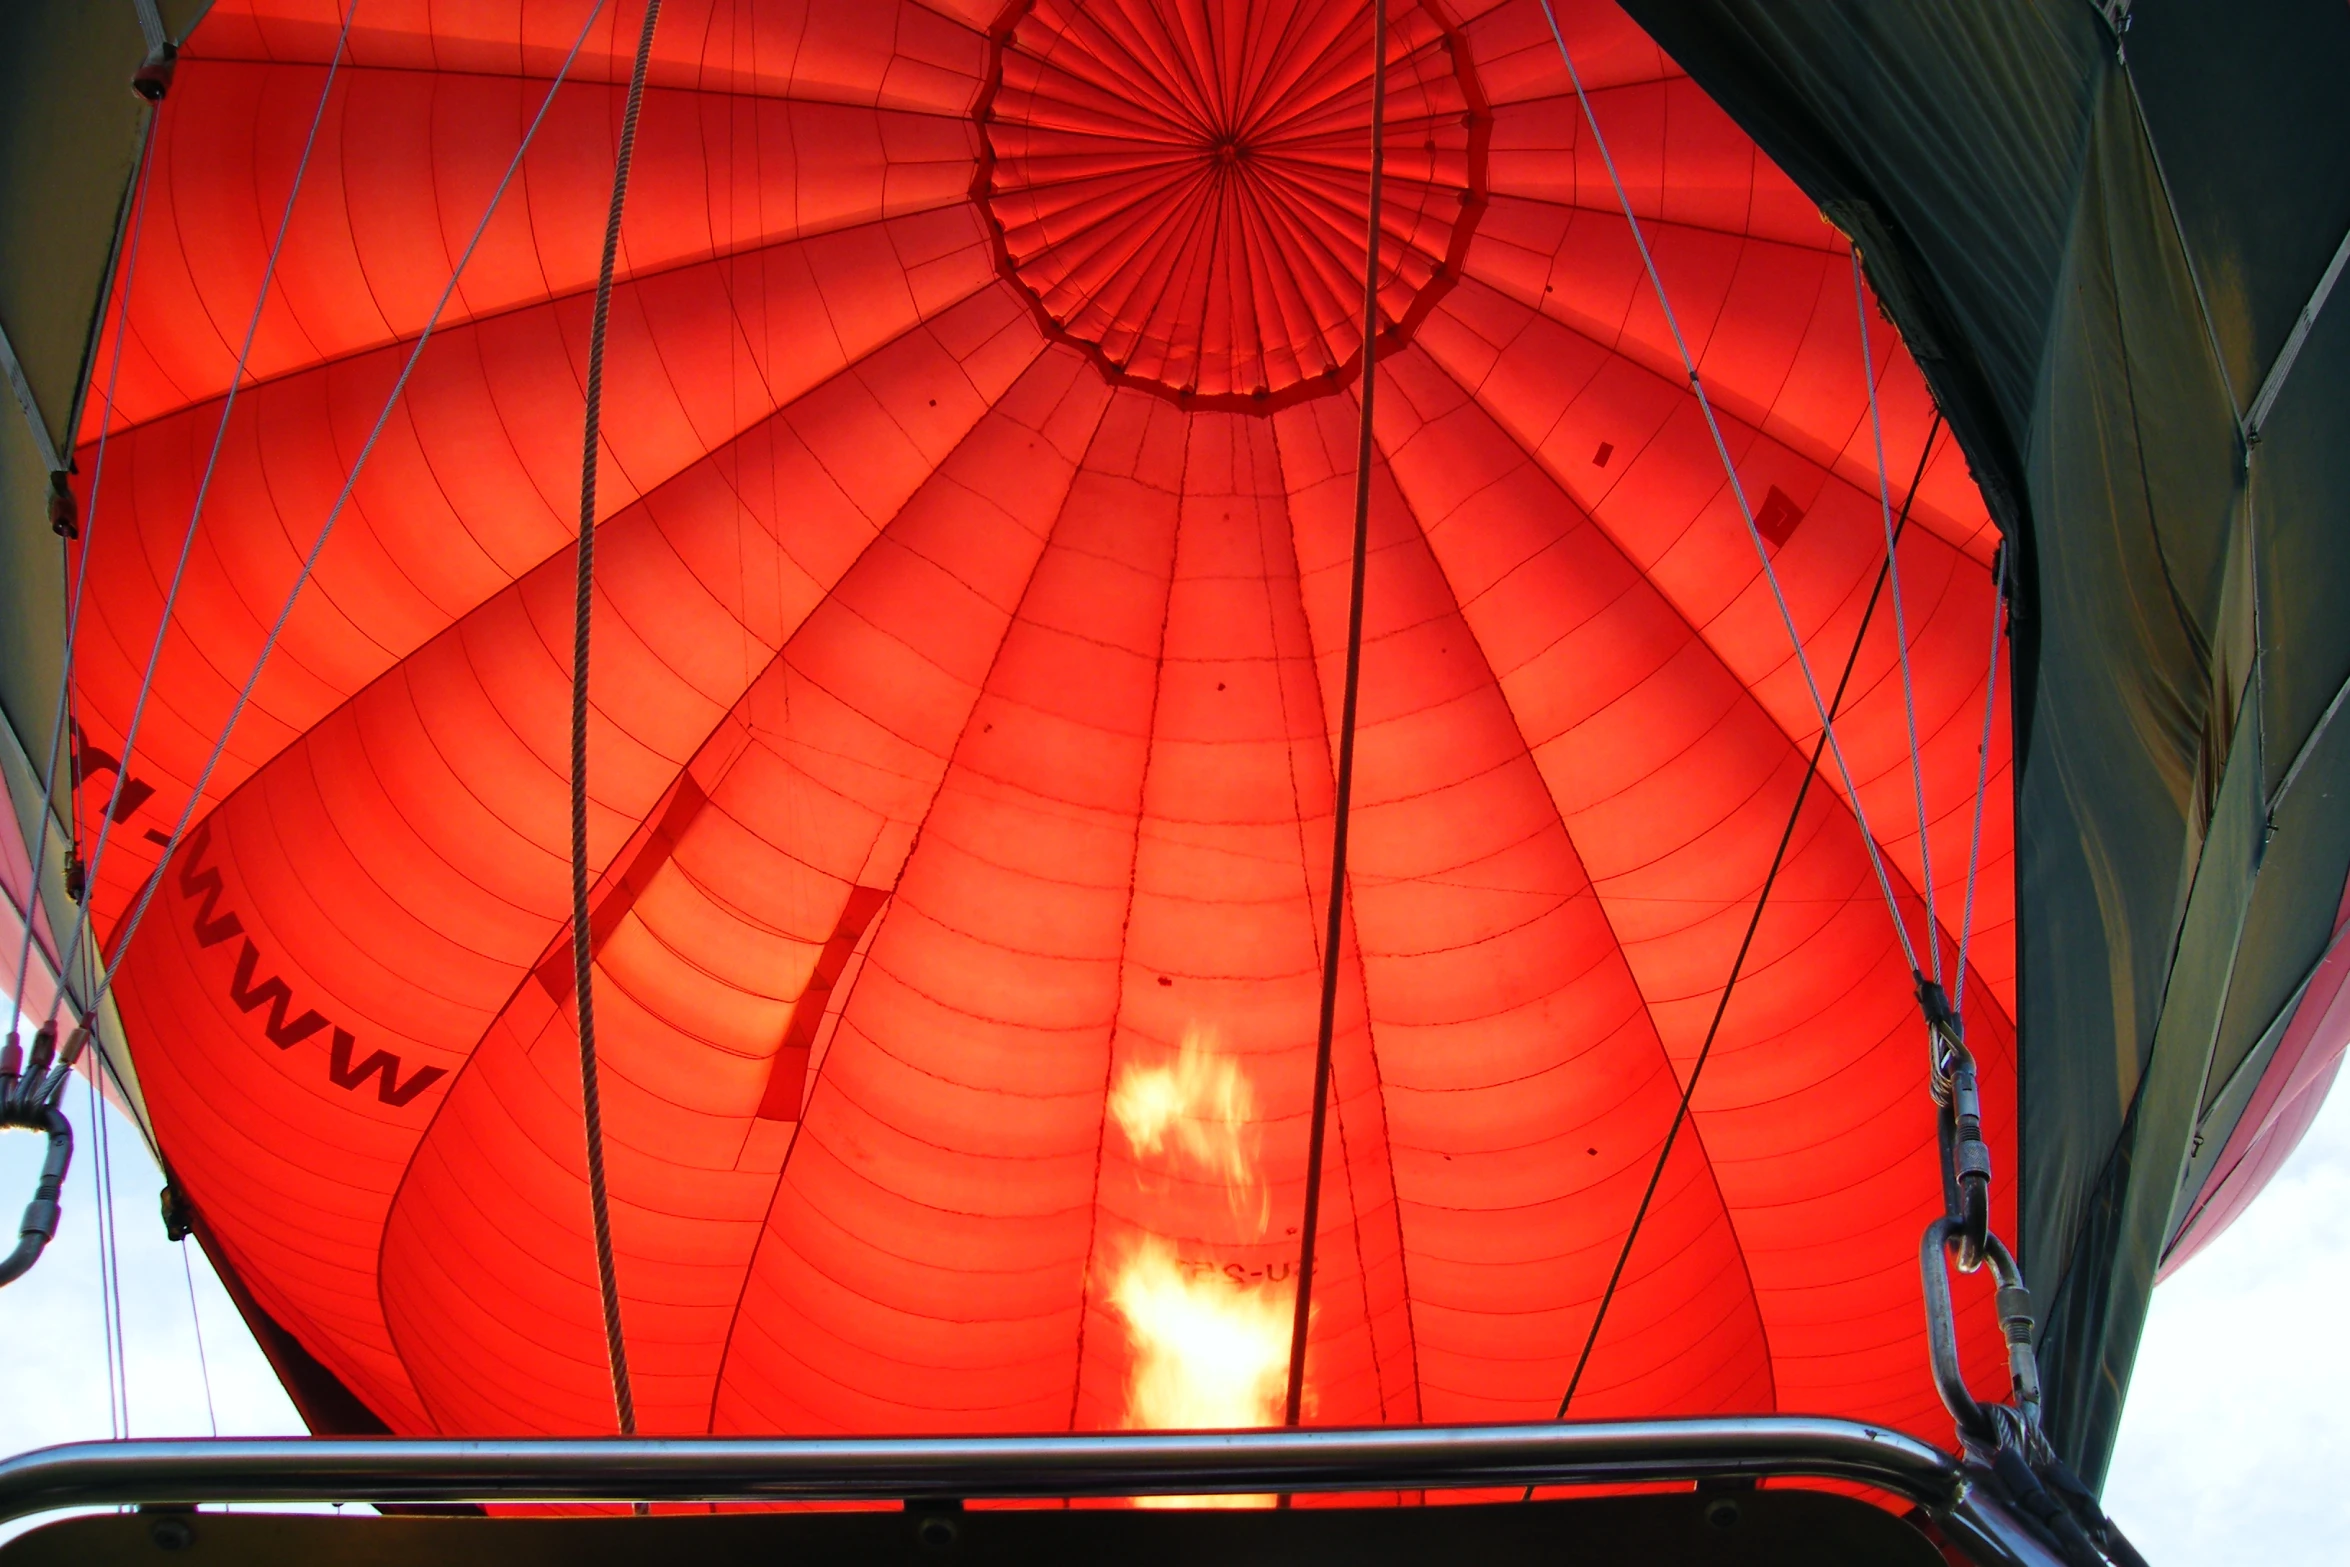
point(975, 506)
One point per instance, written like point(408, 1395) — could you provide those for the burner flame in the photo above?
point(1210, 1341)
point(1209, 1354)
point(1195, 1114)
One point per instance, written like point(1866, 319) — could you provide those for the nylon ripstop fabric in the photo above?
point(974, 509)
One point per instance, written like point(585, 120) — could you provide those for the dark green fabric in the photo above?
point(70, 130)
point(2097, 262)
point(2264, 202)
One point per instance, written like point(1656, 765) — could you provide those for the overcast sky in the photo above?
point(2229, 1452)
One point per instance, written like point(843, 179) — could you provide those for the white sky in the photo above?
point(2229, 1453)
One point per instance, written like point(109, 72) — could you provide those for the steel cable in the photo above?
point(130, 927)
point(1966, 920)
point(73, 612)
point(1909, 700)
point(163, 624)
point(1811, 771)
point(1737, 491)
point(196, 1319)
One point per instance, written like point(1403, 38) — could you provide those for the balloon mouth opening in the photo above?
point(1201, 233)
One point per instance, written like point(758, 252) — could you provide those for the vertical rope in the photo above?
point(1319, 1135)
point(583, 616)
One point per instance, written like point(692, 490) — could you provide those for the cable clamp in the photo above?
point(1945, 1032)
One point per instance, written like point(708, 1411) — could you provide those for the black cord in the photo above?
point(1738, 965)
point(1346, 743)
point(582, 941)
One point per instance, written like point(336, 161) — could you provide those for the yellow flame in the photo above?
point(1197, 1110)
point(1210, 1345)
point(1209, 1354)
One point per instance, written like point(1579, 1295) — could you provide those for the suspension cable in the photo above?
point(1344, 796)
point(196, 1319)
point(179, 571)
point(582, 621)
point(1705, 1050)
point(32, 1091)
point(1737, 491)
point(2004, 1437)
point(87, 532)
point(1909, 700)
point(1974, 856)
point(130, 928)
point(109, 1262)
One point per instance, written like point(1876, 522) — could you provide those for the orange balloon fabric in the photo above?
point(975, 505)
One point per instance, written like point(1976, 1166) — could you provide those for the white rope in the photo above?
point(1974, 854)
point(179, 571)
point(1738, 492)
point(1909, 699)
point(334, 513)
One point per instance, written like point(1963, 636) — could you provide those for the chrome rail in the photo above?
point(1963, 1504)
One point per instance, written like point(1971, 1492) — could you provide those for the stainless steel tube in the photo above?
point(90, 1474)
point(1970, 1512)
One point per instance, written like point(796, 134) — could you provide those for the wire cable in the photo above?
point(203, 1365)
point(179, 570)
point(58, 726)
point(1974, 854)
point(1738, 493)
point(1317, 1136)
point(1909, 699)
point(1713, 1029)
point(130, 927)
point(118, 1378)
point(583, 960)
point(105, 1314)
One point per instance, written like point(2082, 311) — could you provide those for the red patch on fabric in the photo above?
point(1778, 518)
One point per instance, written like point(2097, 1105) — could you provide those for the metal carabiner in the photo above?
point(1979, 1425)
